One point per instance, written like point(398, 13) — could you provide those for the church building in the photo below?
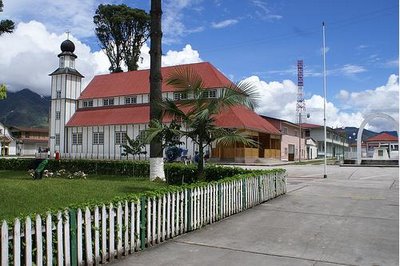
point(92, 123)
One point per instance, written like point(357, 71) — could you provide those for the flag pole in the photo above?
point(324, 52)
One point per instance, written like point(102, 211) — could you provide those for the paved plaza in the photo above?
point(350, 218)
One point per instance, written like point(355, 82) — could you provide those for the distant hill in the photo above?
point(351, 133)
point(25, 108)
point(393, 133)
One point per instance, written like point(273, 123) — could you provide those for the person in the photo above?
point(196, 157)
point(206, 156)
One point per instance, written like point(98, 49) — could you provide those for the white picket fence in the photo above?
point(104, 233)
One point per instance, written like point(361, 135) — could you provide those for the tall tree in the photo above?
point(156, 151)
point(121, 31)
point(6, 26)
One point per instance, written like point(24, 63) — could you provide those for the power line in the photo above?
point(334, 25)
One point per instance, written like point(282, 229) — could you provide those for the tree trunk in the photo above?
point(200, 165)
point(156, 151)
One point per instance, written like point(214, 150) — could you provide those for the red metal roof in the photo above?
point(238, 117)
point(243, 118)
point(383, 137)
point(306, 125)
point(115, 115)
point(137, 82)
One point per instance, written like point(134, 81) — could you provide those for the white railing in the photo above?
point(103, 233)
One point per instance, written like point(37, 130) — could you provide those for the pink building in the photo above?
point(290, 140)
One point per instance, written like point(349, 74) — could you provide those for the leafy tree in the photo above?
point(3, 91)
point(6, 26)
point(133, 146)
point(156, 150)
point(167, 134)
point(197, 113)
point(121, 31)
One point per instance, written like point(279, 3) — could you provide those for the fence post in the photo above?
point(73, 237)
point(189, 209)
point(219, 202)
point(244, 194)
point(143, 204)
point(259, 190)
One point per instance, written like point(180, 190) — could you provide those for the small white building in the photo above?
point(336, 144)
point(386, 143)
point(8, 145)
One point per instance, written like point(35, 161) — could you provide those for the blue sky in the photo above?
point(258, 40)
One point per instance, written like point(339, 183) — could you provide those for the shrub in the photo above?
point(18, 164)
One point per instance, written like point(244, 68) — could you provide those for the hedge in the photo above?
point(176, 173)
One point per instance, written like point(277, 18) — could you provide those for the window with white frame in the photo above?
point(98, 138)
point(57, 139)
point(210, 94)
point(88, 103)
point(120, 137)
point(58, 115)
point(180, 96)
point(285, 130)
point(130, 100)
point(109, 101)
point(77, 138)
point(58, 94)
point(296, 133)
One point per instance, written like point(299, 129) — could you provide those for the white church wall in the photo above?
point(109, 149)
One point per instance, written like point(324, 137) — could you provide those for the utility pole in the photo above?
point(324, 59)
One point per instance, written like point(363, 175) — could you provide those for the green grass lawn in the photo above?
point(21, 195)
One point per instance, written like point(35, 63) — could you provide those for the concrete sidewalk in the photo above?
point(351, 218)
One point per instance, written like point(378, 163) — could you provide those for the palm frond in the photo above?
point(185, 79)
point(230, 137)
point(241, 93)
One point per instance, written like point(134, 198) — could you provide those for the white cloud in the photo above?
point(76, 15)
point(34, 55)
point(185, 56)
point(224, 23)
point(350, 69)
point(383, 99)
point(263, 11)
point(173, 25)
point(278, 99)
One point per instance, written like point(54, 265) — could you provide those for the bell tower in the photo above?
point(66, 86)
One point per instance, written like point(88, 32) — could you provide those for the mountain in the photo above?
point(25, 108)
point(351, 133)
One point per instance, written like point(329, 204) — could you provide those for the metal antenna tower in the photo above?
point(301, 104)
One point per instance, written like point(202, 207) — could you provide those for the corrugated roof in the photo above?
point(306, 125)
point(243, 118)
point(383, 137)
point(29, 129)
point(238, 117)
point(137, 82)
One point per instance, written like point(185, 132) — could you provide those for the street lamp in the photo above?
point(324, 59)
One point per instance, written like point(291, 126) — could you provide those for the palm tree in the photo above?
point(198, 113)
point(156, 156)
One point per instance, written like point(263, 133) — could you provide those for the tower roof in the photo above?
point(67, 48)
